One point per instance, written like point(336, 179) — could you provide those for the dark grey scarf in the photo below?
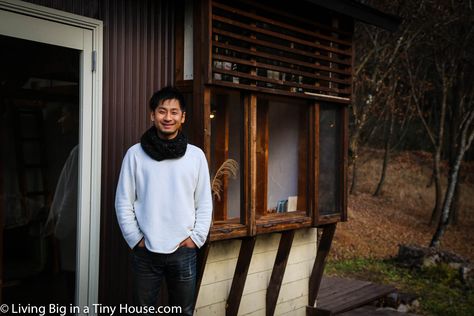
point(161, 149)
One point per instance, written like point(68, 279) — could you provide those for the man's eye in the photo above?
point(174, 113)
point(162, 112)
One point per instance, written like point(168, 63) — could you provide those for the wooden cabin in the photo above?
point(268, 85)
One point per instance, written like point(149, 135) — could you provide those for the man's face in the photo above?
point(168, 118)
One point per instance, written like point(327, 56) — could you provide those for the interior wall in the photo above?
point(283, 130)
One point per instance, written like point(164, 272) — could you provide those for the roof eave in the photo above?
point(361, 12)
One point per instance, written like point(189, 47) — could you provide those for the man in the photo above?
point(164, 205)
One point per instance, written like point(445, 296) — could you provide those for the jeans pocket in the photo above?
point(184, 248)
point(140, 251)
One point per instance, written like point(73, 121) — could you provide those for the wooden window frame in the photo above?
point(341, 214)
point(225, 228)
point(277, 222)
point(250, 223)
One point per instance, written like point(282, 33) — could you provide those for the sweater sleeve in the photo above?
point(124, 201)
point(202, 204)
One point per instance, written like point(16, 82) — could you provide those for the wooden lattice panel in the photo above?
point(273, 51)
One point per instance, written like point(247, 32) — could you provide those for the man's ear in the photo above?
point(183, 118)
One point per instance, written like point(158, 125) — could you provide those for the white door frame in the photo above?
point(37, 23)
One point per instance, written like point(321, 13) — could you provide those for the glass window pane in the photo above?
point(226, 134)
point(39, 132)
point(330, 146)
point(282, 156)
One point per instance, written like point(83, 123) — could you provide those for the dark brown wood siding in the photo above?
point(138, 60)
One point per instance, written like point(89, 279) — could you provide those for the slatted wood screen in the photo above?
point(259, 48)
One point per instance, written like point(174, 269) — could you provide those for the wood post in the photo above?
point(278, 272)
point(319, 264)
point(240, 275)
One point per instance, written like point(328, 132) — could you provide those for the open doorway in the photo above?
point(39, 108)
point(50, 134)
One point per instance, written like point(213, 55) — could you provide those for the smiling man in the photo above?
point(164, 205)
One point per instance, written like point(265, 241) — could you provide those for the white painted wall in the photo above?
point(220, 267)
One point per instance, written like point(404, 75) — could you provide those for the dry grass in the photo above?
point(377, 225)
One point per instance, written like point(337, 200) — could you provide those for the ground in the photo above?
point(377, 225)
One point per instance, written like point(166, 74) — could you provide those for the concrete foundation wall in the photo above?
point(220, 267)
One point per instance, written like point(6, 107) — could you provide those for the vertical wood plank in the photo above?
point(278, 271)
point(320, 262)
point(311, 161)
point(245, 158)
point(240, 275)
point(208, 40)
point(207, 122)
point(179, 41)
point(202, 94)
point(251, 139)
point(304, 146)
point(262, 157)
point(198, 119)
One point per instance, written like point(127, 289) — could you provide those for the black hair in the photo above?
point(167, 93)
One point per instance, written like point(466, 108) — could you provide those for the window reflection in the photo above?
point(39, 108)
point(226, 134)
point(330, 140)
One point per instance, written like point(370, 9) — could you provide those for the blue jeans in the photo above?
point(179, 270)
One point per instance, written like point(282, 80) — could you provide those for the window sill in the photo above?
point(227, 230)
point(282, 221)
point(328, 219)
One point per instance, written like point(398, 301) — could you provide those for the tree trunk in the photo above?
point(355, 158)
point(448, 200)
point(354, 177)
point(452, 149)
point(437, 156)
point(453, 177)
point(453, 218)
point(388, 137)
point(437, 182)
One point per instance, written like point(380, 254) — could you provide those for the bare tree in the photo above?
point(440, 72)
point(375, 74)
point(432, 54)
point(417, 72)
point(466, 139)
point(399, 114)
point(462, 110)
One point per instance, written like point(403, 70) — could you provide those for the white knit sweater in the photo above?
point(164, 201)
